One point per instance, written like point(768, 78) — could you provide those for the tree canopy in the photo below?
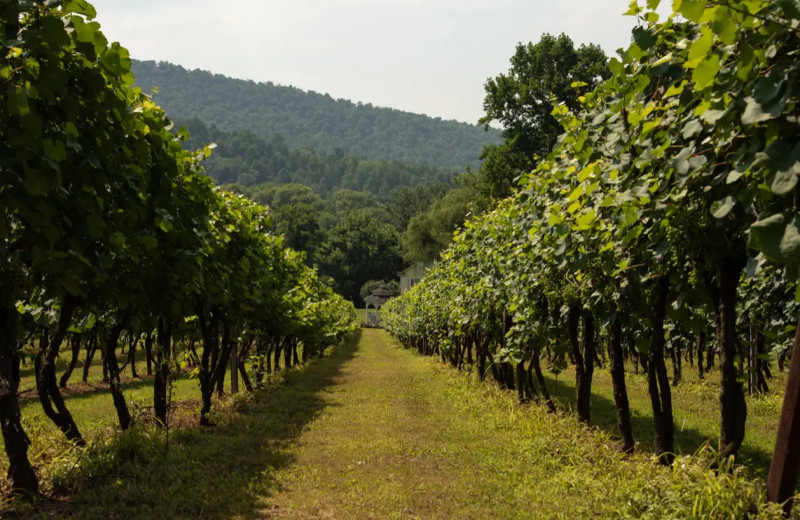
point(521, 101)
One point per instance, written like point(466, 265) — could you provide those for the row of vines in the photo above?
point(665, 221)
point(109, 230)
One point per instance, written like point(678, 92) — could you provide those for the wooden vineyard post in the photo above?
point(786, 457)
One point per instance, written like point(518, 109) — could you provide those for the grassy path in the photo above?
point(401, 436)
point(375, 431)
point(385, 445)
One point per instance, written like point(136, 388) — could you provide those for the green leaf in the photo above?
point(643, 37)
point(633, 9)
point(675, 90)
point(703, 76)
point(692, 10)
point(585, 220)
point(755, 113)
point(79, 7)
point(36, 182)
point(96, 225)
point(17, 101)
point(711, 116)
point(787, 166)
point(791, 8)
point(84, 32)
point(117, 60)
point(148, 242)
point(117, 239)
point(724, 25)
point(722, 208)
point(785, 180)
point(767, 88)
point(54, 150)
point(587, 172)
point(700, 48)
point(53, 31)
point(778, 237)
point(733, 176)
point(691, 128)
point(790, 242)
point(615, 66)
point(745, 62)
point(662, 60)
point(576, 193)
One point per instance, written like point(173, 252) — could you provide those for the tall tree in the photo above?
point(359, 248)
point(521, 102)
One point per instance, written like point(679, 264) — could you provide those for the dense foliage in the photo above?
point(246, 158)
point(109, 227)
point(353, 236)
point(666, 215)
point(309, 119)
point(521, 101)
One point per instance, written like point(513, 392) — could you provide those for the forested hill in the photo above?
point(248, 159)
point(309, 119)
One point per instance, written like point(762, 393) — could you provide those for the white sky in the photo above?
point(424, 56)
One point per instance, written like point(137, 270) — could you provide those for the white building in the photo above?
point(411, 276)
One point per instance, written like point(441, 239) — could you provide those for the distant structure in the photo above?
point(411, 275)
point(376, 300)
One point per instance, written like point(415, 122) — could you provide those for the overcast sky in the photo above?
point(424, 56)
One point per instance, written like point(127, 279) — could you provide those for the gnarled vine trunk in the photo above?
point(617, 367)
point(208, 361)
point(584, 361)
point(91, 348)
point(46, 385)
point(20, 472)
point(701, 344)
point(658, 380)
point(75, 349)
point(162, 371)
point(731, 396)
point(114, 383)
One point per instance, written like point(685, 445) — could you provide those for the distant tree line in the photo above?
point(243, 157)
point(354, 237)
point(312, 119)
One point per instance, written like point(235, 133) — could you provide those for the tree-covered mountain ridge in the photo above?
point(310, 119)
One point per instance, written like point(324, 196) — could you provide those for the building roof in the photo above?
point(380, 295)
point(415, 265)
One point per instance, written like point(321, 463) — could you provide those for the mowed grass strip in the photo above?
point(696, 411)
point(374, 431)
point(402, 436)
point(217, 472)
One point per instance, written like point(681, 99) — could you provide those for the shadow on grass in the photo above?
point(79, 391)
point(28, 376)
point(687, 440)
point(222, 472)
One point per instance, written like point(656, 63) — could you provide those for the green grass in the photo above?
point(406, 437)
point(214, 472)
point(695, 408)
point(375, 431)
point(90, 403)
